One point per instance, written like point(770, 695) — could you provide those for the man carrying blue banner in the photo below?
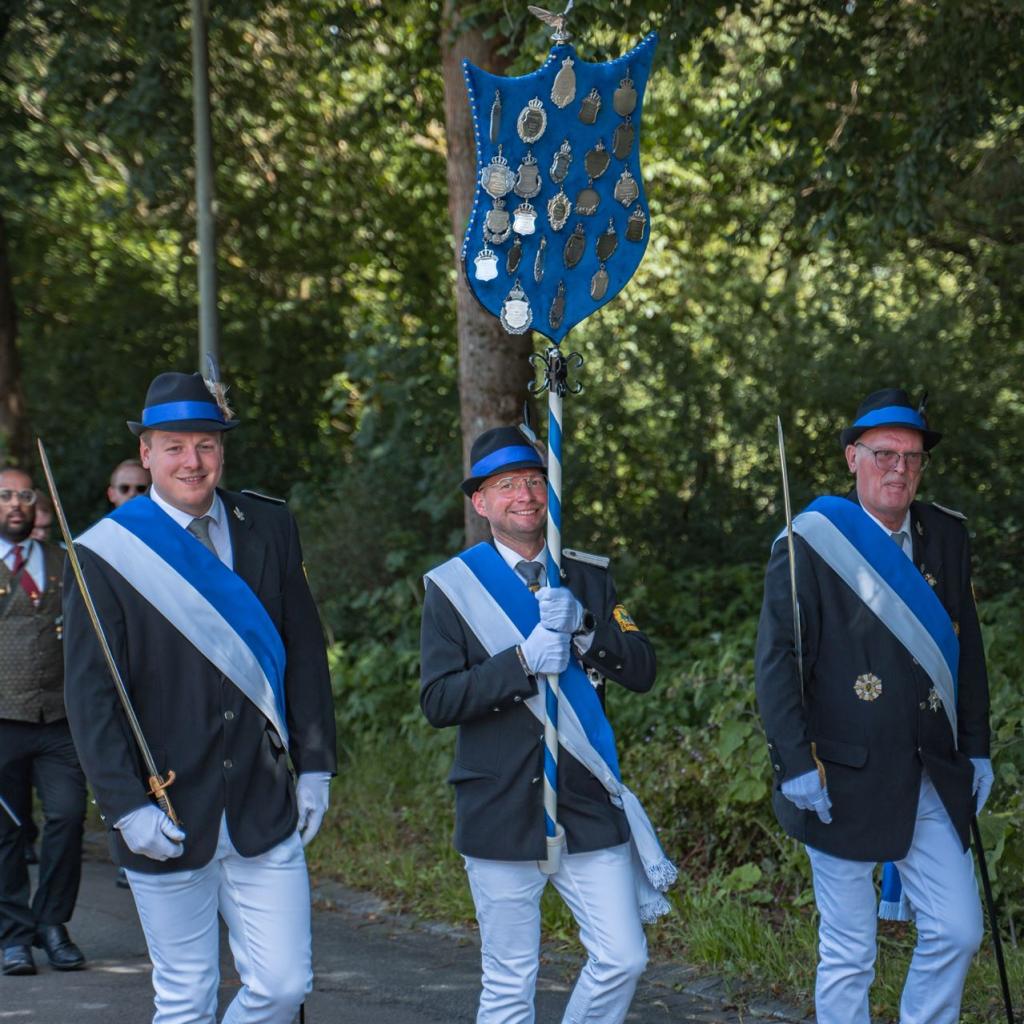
point(881, 751)
point(492, 629)
point(204, 603)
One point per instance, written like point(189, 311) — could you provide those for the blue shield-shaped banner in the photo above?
point(560, 221)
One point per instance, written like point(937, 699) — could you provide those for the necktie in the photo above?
point(898, 537)
point(200, 529)
point(27, 583)
point(531, 573)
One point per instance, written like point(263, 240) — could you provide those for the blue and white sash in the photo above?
point(500, 610)
point(882, 576)
point(208, 603)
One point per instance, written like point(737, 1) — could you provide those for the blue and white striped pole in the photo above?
point(554, 832)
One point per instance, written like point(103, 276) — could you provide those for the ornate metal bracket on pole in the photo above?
point(555, 381)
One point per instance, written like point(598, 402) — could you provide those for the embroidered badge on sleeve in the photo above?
point(624, 620)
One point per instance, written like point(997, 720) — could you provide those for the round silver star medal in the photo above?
point(525, 222)
point(559, 208)
point(557, 310)
point(607, 242)
point(596, 161)
point(497, 179)
point(563, 92)
point(574, 245)
point(514, 257)
point(560, 163)
point(527, 177)
point(496, 117)
point(635, 225)
point(485, 265)
point(516, 315)
point(538, 260)
point(590, 107)
point(587, 201)
point(532, 121)
point(599, 284)
point(626, 188)
point(497, 223)
point(624, 99)
point(622, 139)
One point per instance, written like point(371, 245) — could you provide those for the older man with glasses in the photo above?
point(35, 743)
point(874, 698)
point(484, 660)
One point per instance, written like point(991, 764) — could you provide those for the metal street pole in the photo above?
point(206, 228)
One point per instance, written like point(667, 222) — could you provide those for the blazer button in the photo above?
point(535, 780)
point(601, 654)
point(777, 767)
point(618, 667)
point(517, 699)
point(923, 705)
point(495, 709)
point(228, 763)
point(228, 715)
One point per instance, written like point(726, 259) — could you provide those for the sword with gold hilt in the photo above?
point(157, 783)
point(791, 550)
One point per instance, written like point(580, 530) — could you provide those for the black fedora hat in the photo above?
point(890, 407)
point(500, 450)
point(181, 401)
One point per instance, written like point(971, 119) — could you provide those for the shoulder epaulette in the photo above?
point(601, 561)
point(264, 497)
point(949, 511)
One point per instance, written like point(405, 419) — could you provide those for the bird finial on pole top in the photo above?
point(558, 22)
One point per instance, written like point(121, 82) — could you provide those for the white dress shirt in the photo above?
point(35, 563)
point(220, 531)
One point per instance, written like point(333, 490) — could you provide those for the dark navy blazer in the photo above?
point(499, 754)
point(225, 755)
point(873, 750)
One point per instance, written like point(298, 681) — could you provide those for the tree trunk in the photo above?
point(493, 371)
point(14, 442)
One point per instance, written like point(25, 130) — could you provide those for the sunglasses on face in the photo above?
point(128, 488)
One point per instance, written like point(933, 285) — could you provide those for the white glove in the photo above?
point(807, 792)
point(559, 609)
point(981, 786)
point(311, 793)
point(148, 832)
point(545, 652)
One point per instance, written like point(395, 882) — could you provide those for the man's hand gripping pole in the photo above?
point(157, 783)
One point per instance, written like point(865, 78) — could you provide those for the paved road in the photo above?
point(371, 967)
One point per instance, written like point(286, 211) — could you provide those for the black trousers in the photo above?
point(43, 753)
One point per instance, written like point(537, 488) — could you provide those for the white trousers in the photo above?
point(599, 889)
point(938, 879)
point(264, 901)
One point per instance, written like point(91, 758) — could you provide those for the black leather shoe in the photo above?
point(62, 953)
point(18, 960)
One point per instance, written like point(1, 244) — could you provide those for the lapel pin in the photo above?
point(239, 514)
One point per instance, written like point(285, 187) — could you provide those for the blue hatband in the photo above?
point(171, 411)
point(892, 414)
point(503, 457)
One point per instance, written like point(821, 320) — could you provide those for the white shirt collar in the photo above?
point(215, 511)
point(6, 546)
point(513, 558)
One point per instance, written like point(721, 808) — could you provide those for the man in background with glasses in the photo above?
point(876, 713)
point(129, 479)
point(485, 675)
point(35, 743)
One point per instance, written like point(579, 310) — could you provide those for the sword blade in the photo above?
point(797, 633)
point(157, 782)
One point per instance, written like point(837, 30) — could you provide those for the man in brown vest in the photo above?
point(35, 743)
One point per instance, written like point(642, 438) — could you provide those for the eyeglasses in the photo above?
point(127, 488)
point(25, 497)
point(513, 484)
point(886, 459)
